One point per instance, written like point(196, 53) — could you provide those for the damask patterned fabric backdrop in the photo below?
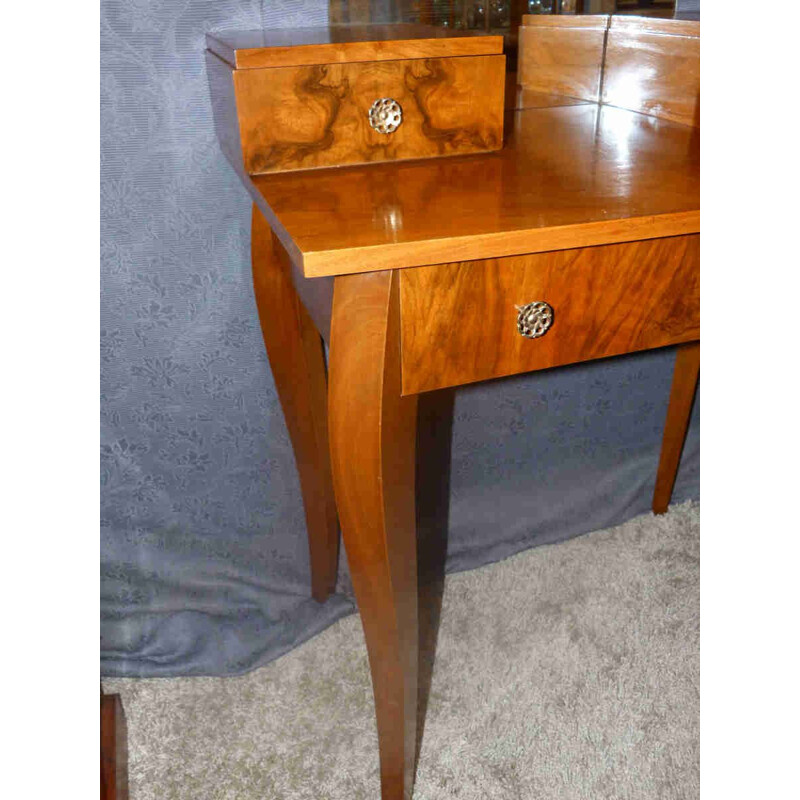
point(204, 564)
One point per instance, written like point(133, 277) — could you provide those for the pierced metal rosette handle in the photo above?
point(534, 319)
point(385, 115)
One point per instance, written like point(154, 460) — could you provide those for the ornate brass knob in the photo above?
point(385, 115)
point(534, 319)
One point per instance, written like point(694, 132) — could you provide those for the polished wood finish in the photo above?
point(299, 99)
point(529, 98)
point(316, 296)
point(435, 416)
point(653, 67)
point(373, 432)
point(113, 749)
point(684, 383)
point(559, 21)
point(562, 54)
point(296, 356)
point(568, 177)
point(647, 65)
point(412, 270)
point(318, 116)
point(634, 24)
point(459, 320)
point(297, 47)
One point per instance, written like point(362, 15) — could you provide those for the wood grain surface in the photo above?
point(591, 208)
point(562, 55)
point(685, 375)
point(568, 177)
point(523, 97)
point(305, 117)
point(572, 21)
point(113, 749)
point(459, 320)
point(297, 361)
point(653, 66)
point(644, 64)
point(373, 440)
point(295, 47)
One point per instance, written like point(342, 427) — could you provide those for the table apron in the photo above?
point(459, 320)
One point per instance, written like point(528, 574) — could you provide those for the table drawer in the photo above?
point(460, 321)
point(319, 116)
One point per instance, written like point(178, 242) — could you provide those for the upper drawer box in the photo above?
point(323, 97)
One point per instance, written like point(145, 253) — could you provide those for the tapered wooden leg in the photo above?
point(373, 439)
point(684, 383)
point(434, 449)
point(294, 347)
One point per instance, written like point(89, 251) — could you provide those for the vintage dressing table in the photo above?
point(576, 238)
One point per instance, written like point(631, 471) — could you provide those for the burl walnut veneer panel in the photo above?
point(459, 321)
point(317, 116)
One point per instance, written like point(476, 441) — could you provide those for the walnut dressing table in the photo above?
point(565, 230)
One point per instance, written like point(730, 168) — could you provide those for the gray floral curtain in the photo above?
point(204, 566)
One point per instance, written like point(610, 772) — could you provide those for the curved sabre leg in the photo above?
point(373, 441)
point(294, 347)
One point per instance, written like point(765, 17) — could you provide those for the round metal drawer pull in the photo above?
point(385, 115)
point(534, 319)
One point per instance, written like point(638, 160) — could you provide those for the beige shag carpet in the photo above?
point(567, 672)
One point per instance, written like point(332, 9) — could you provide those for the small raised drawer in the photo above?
point(460, 322)
point(303, 101)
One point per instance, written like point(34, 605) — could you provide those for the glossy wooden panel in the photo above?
point(295, 47)
point(644, 64)
point(571, 21)
point(529, 98)
point(297, 361)
point(562, 55)
point(633, 25)
point(459, 320)
point(653, 66)
point(305, 117)
point(567, 177)
point(684, 383)
point(373, 436)
point(316, 296)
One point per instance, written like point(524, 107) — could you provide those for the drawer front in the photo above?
point(459, 321)
point(318, 116)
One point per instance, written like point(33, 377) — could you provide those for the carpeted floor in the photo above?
point(568, 671)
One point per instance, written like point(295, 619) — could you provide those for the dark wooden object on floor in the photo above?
point(113, 749)
point(413, 272)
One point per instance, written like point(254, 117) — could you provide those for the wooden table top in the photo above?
point(569, 176)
